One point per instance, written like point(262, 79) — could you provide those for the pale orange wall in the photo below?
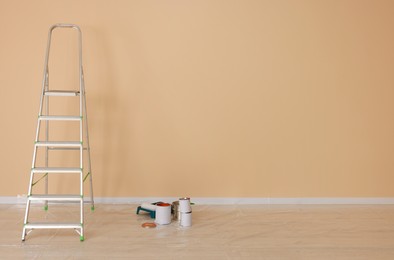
point(213, 98)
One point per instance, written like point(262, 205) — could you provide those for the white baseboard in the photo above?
point(224, 201)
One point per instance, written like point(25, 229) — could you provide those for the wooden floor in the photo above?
point(218, 232)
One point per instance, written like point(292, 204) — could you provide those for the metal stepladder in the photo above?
point(81, 145)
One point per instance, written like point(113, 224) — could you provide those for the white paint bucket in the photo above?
point(186, 219)
point(163, 213)
point(184, 205)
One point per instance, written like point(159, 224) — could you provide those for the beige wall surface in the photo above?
point(214, 98)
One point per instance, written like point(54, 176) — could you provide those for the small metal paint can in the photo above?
point(175, 211)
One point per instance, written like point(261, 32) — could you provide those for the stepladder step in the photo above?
point(62, 93)
point(59, 118)
point(59, 143)
point(55, 197)
point(56, 170)
point(45, 225)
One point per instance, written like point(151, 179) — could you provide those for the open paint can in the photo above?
point(163, 213)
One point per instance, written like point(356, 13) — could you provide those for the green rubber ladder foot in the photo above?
point(81, 238)
point(46, 207)
point(92, 208)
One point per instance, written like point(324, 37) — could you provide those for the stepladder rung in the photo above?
point(60, 118)
point(45, 225)
point(67, 148)
point(59, 144)
point(56, 170)
point(56, 197)
point(62, 93)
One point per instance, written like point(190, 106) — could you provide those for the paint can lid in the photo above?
point(148, 225)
